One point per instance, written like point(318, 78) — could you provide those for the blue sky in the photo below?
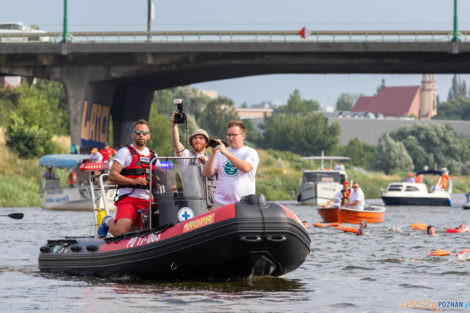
point(259, 15)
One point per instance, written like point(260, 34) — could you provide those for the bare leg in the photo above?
point(122, 225)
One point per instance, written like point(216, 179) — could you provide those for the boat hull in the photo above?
point(344, 215)
point(422, 201)
point(234, 240)
point(72, 198)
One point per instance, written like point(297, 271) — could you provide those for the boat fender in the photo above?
point(76, 248)
point(439, 253)
point(92, 248)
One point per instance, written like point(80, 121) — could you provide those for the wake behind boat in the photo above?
point(411, 193)
point(183, 240)
point(320, 185)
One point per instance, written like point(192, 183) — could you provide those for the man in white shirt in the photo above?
point(357, 200)
point(236, 166)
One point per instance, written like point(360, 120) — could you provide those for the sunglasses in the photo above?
point(139, 132)
point(355, 186)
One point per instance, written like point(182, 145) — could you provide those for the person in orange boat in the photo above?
point(342, 196)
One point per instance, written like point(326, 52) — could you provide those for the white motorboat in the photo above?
point(320, 185)
point(466, 205)
point(409, 193)
point(76, 194)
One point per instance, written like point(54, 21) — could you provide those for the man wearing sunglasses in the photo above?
point(235, 166)
point(198, 141)
point(128, 172)
point(357, 200)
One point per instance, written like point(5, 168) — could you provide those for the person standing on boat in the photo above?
point(106, 152)
point(357, 200)
point(49, 174)
point(128, 171)
point(410, 178)
point(198, 141)
point(235, 166)
point(342, 196)
point(340, 166)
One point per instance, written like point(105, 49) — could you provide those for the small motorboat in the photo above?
point(320, 185)
point(76, 194)
point(183, 240)
point(409, 193)
point(371, 213)
point(466, 205)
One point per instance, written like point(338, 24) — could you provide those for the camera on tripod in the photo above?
point(180, 116)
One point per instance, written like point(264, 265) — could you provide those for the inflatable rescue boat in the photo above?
point(250, 237)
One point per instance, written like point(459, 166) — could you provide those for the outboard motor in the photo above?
point(179, 190)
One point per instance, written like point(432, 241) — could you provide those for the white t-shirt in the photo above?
point(232, 184)
point(124, 157)
point(337, 198)
point(358, 195)
point(98, 157)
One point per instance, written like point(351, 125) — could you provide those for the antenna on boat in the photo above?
point(322, 160)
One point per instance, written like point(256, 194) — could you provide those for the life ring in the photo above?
point(72, 178)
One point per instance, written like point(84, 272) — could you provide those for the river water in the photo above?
point(377, 272)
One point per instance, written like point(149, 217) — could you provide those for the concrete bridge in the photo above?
point(118, 79)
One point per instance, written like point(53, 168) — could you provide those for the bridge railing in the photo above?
point(236, 36)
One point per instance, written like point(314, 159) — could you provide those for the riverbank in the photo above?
point(278, 177)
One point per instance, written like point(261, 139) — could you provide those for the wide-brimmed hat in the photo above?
point(94, 150)
point(199, 131)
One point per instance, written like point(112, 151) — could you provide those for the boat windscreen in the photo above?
point(328, 177)
point(172, 179)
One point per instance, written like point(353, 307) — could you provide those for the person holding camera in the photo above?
point(236, 166)
point(198, 141)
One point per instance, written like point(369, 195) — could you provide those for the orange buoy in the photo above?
point(318, 225)
point(439, 253)
point(72, 178)
point(333, 224)
point(349, 229)
point(419, 226)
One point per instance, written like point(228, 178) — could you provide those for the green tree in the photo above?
point(296, 104)
point(454, 109)
point(431, 145)
point(361, 154)
point(391, 156)
point(304, 134)
point(346, 101)
point(458, 88)
point(160, 134)
point(217, 114)
point(28, 140)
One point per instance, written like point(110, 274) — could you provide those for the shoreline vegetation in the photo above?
point(278, 176)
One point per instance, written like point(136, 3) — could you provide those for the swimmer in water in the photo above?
point(305, 223)
point(430, 230)
point(363, 224)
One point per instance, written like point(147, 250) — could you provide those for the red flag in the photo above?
point(303, 32)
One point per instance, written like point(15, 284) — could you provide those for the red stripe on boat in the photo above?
point(291, 214)
point(217, 215)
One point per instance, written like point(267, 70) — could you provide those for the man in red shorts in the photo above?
point(128, 172)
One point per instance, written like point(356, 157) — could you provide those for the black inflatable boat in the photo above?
point(250, 237)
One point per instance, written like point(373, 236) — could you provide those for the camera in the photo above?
point(213, 143)
point(180, 116)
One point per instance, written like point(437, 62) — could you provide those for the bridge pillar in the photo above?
point(91, 104)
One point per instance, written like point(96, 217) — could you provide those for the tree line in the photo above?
point(32, 113)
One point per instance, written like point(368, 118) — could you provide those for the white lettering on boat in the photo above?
point(139, 241)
